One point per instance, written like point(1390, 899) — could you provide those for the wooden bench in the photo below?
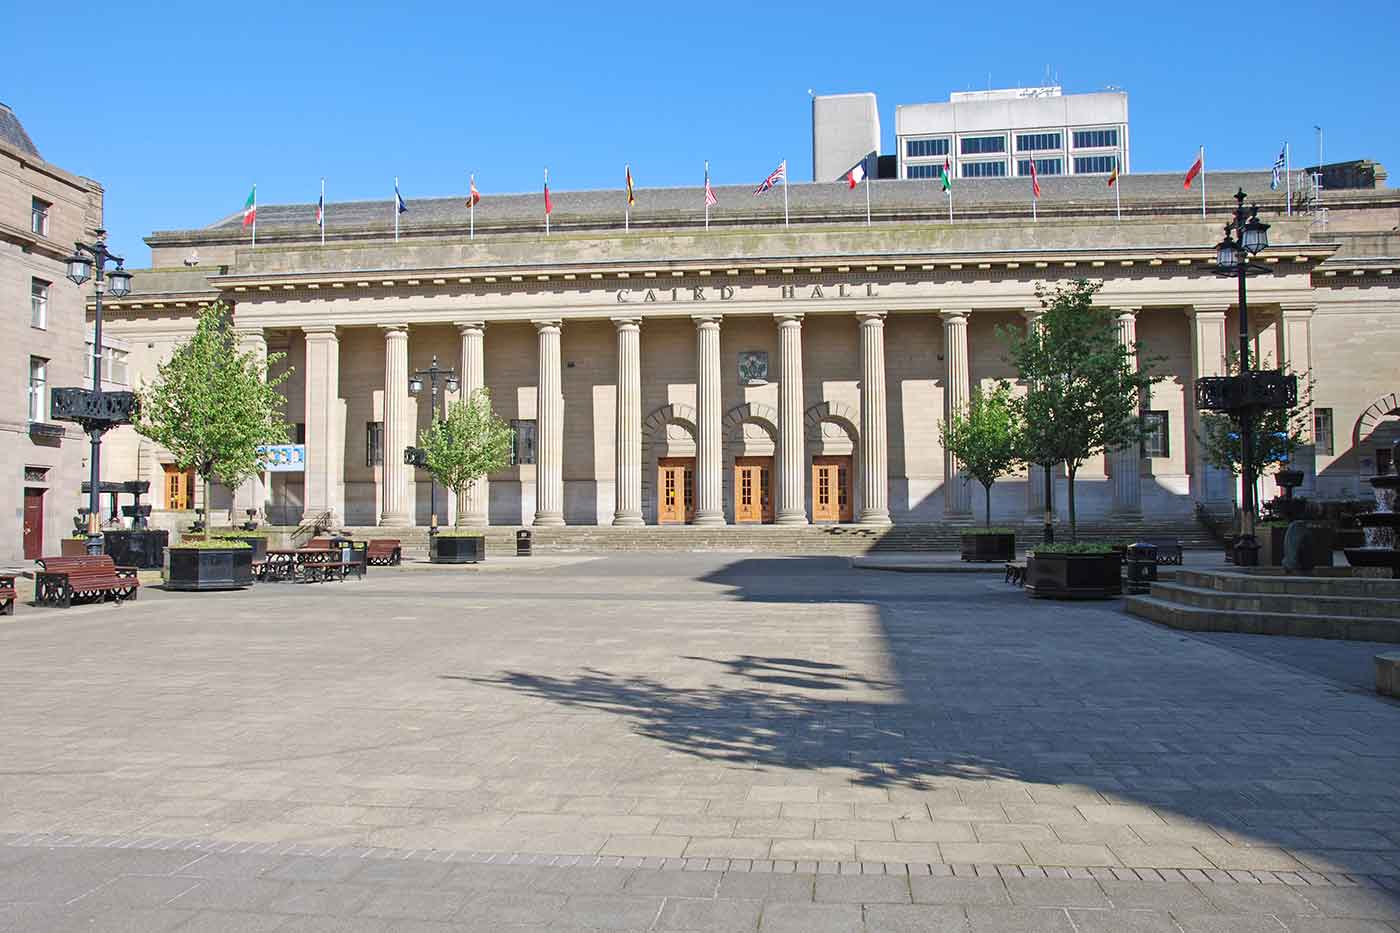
point(61, 580)
point(7, 594)
point(384, 552)
point(1016, 572)
point(1168, 548)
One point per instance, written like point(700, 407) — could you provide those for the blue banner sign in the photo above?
point(283, 458)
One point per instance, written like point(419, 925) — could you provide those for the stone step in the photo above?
point(1276, 583)
point(1278, 603)
point(1192, 619)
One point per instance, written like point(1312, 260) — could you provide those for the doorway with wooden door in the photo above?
point(675, 490)
point(753, 490)
point(179, 488)
point(33, 523)
point(831, 490)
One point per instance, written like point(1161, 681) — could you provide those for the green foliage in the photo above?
point(466, 444)
point(211, 406)
point(985, 437)
point(1277, 433)
point(239, 533)
point(1083, 391)
point(217, 544)
point(1072, 547)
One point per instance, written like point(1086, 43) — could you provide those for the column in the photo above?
point(628, 510)
point(549, 415)
point(874, 454)
point(1126, 462)
point(1208, 352)
point(792, 489)
point(395, 475)
point(1035, 474)
point(709, 463)
point(253, 493)
point(474, 509)
point(957, 392)
point(324, 423)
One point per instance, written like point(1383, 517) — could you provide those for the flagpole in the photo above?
point(255, 215)
point(785, 196)
point(323, 212)
point(471, 205)
point(707, 194)
point(867, 200)
point(627, 210)
point(1203, 182)
point(396, 208)
point(546, 202)
point(1117, 187)
point(1288, 177)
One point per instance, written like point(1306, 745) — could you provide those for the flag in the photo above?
point(548, 205)
point(1035, 181)
point(321, 211)
point(1278, 169)
point(1195, 169)
point(250, 207)
point(856, 175)
point(778, 174)
point(631, 198)
point(1113, 175)
point(473, 196)
point(403, 208)
point(947, 175)
point(710, 199)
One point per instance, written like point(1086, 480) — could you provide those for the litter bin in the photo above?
point(1142, 563)
point(523, 539)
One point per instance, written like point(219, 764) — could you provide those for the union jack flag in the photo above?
point(778, 174)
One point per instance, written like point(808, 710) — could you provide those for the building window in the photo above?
point(925, 148)
point(982, 145)
point(524, 449)
point(374, 443)
point(995, 169)
point(1042, 166)
point(1322, 430)
point(927, 170)
point(1156, 434)
point(38, 388)
point(1095, 139)
point(1035, 142)
point(1094, 165)
point(39, 217)
point(38, 303)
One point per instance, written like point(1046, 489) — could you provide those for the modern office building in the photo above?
point(43, 210)
point(996, 134)
point(845, 132)
point(757, 371)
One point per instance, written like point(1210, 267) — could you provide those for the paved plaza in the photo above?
point(682, 743)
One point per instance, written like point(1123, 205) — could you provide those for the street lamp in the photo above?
point(89, 260)
point(435, 374)
point(1245, 237)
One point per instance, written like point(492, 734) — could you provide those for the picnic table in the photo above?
point(304, 565)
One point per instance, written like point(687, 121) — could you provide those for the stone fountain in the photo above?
point(1382, 541)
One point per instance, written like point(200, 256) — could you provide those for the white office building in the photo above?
point(996, 134)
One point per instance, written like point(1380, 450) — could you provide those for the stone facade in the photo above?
point(42, 463)
point(827, 344)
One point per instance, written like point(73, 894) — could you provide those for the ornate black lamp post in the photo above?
point(1244, 396)
point(95, 410)
point(415, 456)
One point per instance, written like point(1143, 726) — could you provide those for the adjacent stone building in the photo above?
point(758, 371)
point(43, 210)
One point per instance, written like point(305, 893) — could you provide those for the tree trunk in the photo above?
point(1073, 522)
point(460, 519)
point(988, 488)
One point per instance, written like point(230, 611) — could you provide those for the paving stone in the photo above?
point(320, 897)
point(932, 831)
point(767, 886)
point(914, 918)
point(1141, 895)
point(1069, 854)
point(1048, 892)
point(241, 894)
point(708, 916)
point(674, 883)
point(1122, 921)
point(610, 911)
point(784, 917)
point(862, 889)
point(939, 890)
point(1018, 920)
point(220, 921)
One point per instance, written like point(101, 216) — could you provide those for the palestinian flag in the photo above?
point(946, 175)
point(250, 207)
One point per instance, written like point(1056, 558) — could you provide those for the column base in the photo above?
point(474, 521)
point(709, 519)
point(875, 517)
point(793, 518)
point(549, 520)
point(633, 520)
point(396, 520)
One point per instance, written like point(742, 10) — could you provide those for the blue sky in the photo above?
point(198, 101)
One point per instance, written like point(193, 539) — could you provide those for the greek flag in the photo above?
point(1278, 169)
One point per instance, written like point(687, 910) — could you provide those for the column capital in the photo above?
point(1126, 313)
point(394, 330)
point(625, 322)
point(545, 326)
point(702, 320)
point(871, 317)
point(470, 327)
point(320, 331)
point(1208, 309)
point(954, 315)
point(1297, 309)
point(788, 317)
point(243, 332)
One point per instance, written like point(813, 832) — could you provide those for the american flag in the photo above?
point(710, 199)
point(778, 174)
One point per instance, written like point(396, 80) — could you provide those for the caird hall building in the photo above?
point(760, 371)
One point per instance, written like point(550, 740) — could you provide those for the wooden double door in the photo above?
point(831, 490)
point(675, 490)
point(179, 488)
point(753, 490)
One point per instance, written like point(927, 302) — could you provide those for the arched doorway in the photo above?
point(833, 463)
point(1374, 437)
point(750, 441)
point(668, 465)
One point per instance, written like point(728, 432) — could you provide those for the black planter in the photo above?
point(141, 548)
point(258, 543)
point(994, 548)
point(1074, 576)
point(208, 568)
point(452, 549)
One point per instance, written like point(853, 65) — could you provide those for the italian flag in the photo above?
point(250, 207)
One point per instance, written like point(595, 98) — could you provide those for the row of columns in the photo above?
point(325, 446)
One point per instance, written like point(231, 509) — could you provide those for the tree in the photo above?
point(466, 444)
point(211, 406)
point(985, 437)
point(1278, 432)
point(1083, 391)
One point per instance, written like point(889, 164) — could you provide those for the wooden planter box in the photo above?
point(996, 548)
point(1271, 545)
point(451, 549)
point(208, 569)
point(1074, 576)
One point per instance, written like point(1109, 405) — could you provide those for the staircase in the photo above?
point(778, 539)
point(1264, 603)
